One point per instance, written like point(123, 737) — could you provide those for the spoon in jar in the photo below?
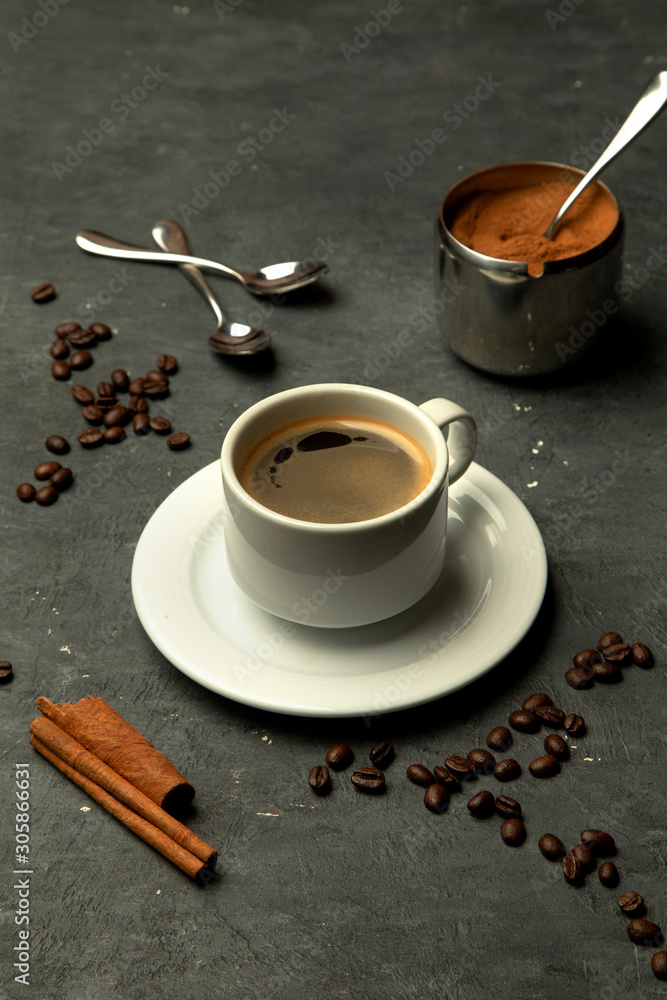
point(645, 110)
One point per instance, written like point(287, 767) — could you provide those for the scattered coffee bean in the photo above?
point(161, 425)
point(6, 671)
point(620, 653)
point(167, 363)
point(60, 370)
point(105, 389)
point(586, 658)
point(56, 444)
point(483, 760)
point(178, 441)
point(544, 767)
point(92, 414)
point(82, 395)
point(67, 329)
point(551, 846)
point(46, 496)
point(460, 767)
point(90, 437)
point(81, 360)
point(551, 715)
point(368, 779)
point(45, 470)
point(659, 964)
point(114, 435)
point(382, 754)
point(106, 402)
point(607, 673)
point(644, 932)
point(59, 349)
point(499, 738)
point(136, 386)
point(82, 338)
point(642, 657)
point(507, 770)
point(43, 293)
point(117, 416)
point(572, 868)
point(631, 903)
point(578, 678)
point(62, 479)
point(575, 724)
point(436, 797)
point(141, 423)
point(513, 832)
point(525, 722)
point(608, 874)
point(483, 804)
point(557, 747)
point(598, 841)
point(120, 380)
point(138, 404)
point(339, 756)
point(156, 389)
point(101, 331)
point(609, 639)
point(446, 778)
point(25, 492)
point(505, 806)
point(420, 775)
point(319, 780)
point(157, 376)
point(585, 857)
point(536, 701)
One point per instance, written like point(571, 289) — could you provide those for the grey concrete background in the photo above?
point(347, 896)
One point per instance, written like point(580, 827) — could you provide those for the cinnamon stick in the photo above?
point(77, 757)
point(178, 856)
point(100, 729)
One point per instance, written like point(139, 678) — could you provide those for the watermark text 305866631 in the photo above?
point(21, 868)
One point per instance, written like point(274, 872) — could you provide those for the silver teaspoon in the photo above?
point(647, 107)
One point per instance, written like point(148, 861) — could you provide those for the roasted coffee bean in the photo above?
point(551, 846)
point(45, 470)
point(642, 657)
point(60, 370)
point(505, 806)
point(483, 804)
point(117, 416)
point(586, 658)
point(81, 360)
point(620, 653)
point(92, 414)
point(507, 770)
point(525, 722)
point(25, 492)
point(82, 395)
point(120, 380)
point(101, 331)
point(607, 673)
point(578, 678)
point(136, 386)
point(156, 389)
point(167, 363)
point(382, 754)
point(644, 932)
point(483, 760)
point(436, 797)
point(609, 639)
point(575, 724)
point(157, 376)
point(420, 775)
point(105, 389)
point(513, 832)
point(90, 437)
point(368, 779)
point(446, 778)
point(608, 874)
point(59, 349)
point(585, 857)
point(5, 671)
point(43, 293)
point(551, 715)
point(161, 425)
point(659, 964)
point(178, 441)
point(114, 435)
point(138, 404)
point(557, 747)
point(65, 329)
point(572, 868)
point(544, 767)
point(598, 841)
point(82, 338)
point(56, 444)
point(339, 756)
point(141, 424)
point(106, 402)
point(499, 738)
point(631, 903)
point(319, 780)
point(460, 767)
point(46, 496)
point(62, 479)
point(536, 701)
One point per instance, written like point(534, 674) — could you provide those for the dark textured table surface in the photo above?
point(346, 896)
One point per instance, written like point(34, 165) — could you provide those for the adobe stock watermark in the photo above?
point(224, 7)
point(363, 36)
point(31, 26)
point(121, 108)
point(454, 117)
point(565, 9)
point(103, 297)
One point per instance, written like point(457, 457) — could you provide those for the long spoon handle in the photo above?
point(107, 246)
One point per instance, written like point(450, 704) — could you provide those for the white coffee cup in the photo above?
point(343, 575)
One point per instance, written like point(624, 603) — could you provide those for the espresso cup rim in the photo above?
point(231, 480)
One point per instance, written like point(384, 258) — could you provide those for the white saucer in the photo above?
point(486, 600)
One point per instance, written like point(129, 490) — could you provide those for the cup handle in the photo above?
point(460, 432)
